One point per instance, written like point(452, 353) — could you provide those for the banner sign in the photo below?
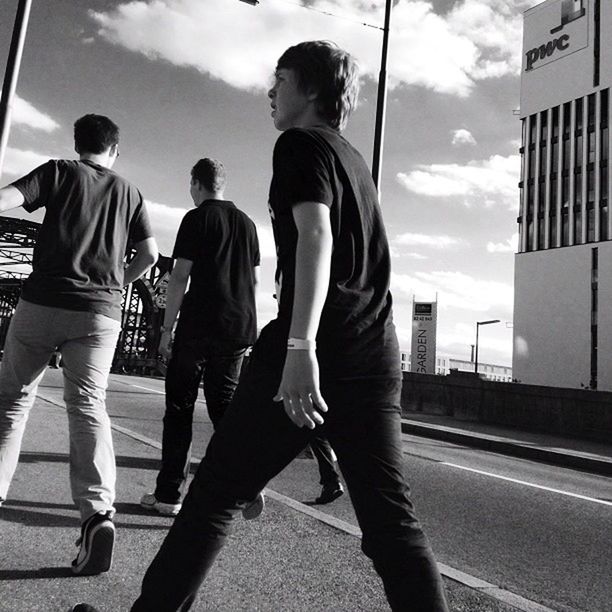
point(553, 31)
point(423, 347)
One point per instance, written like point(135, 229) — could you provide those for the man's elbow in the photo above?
point(147, 252)
point(153, 255)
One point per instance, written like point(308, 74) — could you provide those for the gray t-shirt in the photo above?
point(92, 216)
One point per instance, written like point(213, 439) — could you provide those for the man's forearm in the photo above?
point(175, 293)
point(137, 267)
point(312, 270)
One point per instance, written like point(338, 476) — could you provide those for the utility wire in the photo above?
point(329, 14)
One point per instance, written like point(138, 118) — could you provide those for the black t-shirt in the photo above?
point(356, 335)
point(221, 241)
point(91, 215)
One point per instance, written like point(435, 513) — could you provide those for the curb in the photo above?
point(589, 463)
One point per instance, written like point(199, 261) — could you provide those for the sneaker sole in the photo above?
point(100, 554)
point(330, 499)
point(255, 508)
point(163, 511)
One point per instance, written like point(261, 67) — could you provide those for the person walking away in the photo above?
point(217, 254)
point(71, 303)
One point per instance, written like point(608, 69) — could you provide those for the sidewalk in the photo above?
point(294, 558)
point(581, 454)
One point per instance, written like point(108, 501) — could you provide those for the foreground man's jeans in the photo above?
point(87, 343)
point(254, 442)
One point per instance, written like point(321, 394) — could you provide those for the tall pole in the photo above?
point(12, 73)
point(381, 102)
point(478, 324)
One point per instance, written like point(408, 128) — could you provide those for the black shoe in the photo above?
point(329, 493)
point(96, 542)
point(83, 607)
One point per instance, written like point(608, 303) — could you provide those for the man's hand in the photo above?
point(165, 344)
point(299, 389)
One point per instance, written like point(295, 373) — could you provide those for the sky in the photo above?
point(186, 79)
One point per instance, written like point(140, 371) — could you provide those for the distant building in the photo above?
point(445, 364)
point(563, 270)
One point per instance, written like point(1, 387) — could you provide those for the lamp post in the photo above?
point(12, 73)
point(381, 102)
point(478, 324)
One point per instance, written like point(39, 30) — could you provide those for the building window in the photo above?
point(530, 234)
point(564, 228)
point(603, 220)
point(567, 114)
point(553, 212)
point(577, 226)
point(532, 129)
point(541, 227)
point(590, 223)
point(530, 199)
point(543, 138)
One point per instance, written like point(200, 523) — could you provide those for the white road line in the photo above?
point(140, 387)
point(493, 591)
point(528, 484)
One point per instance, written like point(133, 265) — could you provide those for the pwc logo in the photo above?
point(571, 10)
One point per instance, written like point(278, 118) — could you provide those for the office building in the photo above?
point(563, 270)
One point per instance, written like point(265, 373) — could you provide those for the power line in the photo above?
point(329, 14)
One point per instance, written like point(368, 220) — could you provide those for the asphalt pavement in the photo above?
point(296, 557)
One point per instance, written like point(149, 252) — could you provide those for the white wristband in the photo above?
point(299, 344)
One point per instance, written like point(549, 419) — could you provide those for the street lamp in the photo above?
point(381, 102)
point(12, 73)
point(478, 324)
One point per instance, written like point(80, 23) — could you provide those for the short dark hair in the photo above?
point(210, 173)
point(95, 134)
point(331, 72)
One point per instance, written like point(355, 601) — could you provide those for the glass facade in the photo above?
point(565, 182)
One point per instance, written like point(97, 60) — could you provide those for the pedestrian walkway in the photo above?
point(292, 559)
point(568, 452)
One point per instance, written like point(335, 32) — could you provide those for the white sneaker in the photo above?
point(149, 501)
point(253, 509)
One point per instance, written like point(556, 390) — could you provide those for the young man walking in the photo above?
point(71, 303)
point(217, 253)
point(329, 361)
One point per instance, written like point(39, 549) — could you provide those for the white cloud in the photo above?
point(462, 136)
point(165, 221)
point(433, 241)
point(18, 162)
point(510, 246)
point(25, 113)
point(267, 248)
point(397, 253)
point(239, 44)
point(456, 290)
point(491, 181)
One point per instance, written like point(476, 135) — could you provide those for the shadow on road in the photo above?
point(140, 463)
point(43, 572)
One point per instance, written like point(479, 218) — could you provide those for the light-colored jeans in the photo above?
point(87, 343)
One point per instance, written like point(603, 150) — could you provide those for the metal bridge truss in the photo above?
point(142, 307)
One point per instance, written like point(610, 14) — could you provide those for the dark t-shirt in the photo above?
point(91, 215)
point(221, 241)
point(356, 336)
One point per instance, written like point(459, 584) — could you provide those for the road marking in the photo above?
point(528, 484)
point(493, 591)
point(140, 387)
point(198, 401)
